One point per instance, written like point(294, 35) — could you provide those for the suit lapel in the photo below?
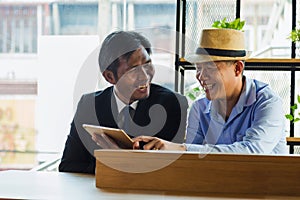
point(141, 116)
point(106, 108)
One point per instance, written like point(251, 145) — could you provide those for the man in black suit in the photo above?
point(125, 62)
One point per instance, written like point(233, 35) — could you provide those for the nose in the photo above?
point(142, 74)
point(202, 74)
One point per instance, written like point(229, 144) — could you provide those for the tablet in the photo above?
point(118, 135)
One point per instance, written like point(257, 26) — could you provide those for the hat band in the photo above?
point(221, 52)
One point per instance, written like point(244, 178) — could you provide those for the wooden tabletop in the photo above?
point(16, 184)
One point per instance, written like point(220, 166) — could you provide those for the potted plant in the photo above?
point(236, 24)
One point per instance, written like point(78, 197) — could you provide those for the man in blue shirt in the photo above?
point(237, 114)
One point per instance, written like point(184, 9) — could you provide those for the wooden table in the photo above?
point(54, 185)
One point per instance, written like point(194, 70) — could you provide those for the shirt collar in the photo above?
point(250, 94)
point(243, 97)
point(121, 104)
point(208, 106)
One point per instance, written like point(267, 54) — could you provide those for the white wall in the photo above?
point(18, 66)
point(60, 59)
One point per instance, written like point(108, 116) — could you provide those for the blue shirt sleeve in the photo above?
point(194, 133)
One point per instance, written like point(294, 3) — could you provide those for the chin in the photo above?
point(140, 96)
point(211, 97)
point(144, 96)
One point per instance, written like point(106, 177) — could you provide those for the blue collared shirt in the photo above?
point(255, 125)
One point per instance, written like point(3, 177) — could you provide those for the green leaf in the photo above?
point(294, 107)
point(241, 25)
point(196, 89)
point(289, 117)
point(236, 24)
point(297, 119)
point(294, 35)
point(215, 24)
point(294, 116)
point(298, 98)
point(191, 96)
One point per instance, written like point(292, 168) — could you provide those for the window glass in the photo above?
point(17, 132)
point(268, 24)
point(18, 28)
point(52, 47)
point(155, 20)
point(74, 18)
point(200, 15)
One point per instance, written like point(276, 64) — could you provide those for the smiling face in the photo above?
point(134, 76)
point(218, 79)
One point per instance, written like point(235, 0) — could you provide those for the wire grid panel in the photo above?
point(296, 149)
point(280, 82)
point(201, 14)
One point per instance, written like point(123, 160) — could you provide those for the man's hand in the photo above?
point(154, 143)
point(105, 141)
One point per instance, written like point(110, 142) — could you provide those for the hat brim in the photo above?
point(200, 58)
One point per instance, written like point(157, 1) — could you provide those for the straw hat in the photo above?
point(220, 44)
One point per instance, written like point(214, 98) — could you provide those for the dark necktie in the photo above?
point(126, 116)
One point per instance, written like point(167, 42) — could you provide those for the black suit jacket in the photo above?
point(166, 109)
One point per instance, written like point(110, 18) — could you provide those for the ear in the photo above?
point(238, 67)
point(109, 76)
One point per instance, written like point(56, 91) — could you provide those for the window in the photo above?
point(64, 37)
point(18, 28)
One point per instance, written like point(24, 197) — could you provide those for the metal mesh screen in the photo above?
point(201, 14)
point(296, 150)
point(280, 82)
